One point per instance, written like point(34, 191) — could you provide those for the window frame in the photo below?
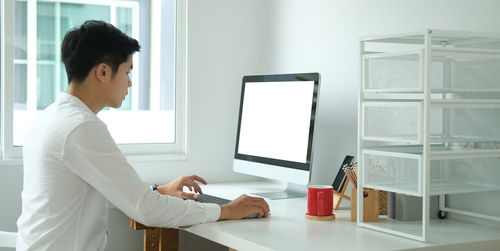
point(177, 150)
point(7, 78)
point(135, 152)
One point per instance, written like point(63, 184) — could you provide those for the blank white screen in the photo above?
point(275, 120)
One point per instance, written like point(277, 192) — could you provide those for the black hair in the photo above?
point(93, 43)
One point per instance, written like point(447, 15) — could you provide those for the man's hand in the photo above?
point(175, 187)
point(244, 206)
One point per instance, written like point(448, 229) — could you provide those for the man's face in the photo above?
point(119, 84)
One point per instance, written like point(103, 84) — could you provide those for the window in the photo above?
point(151, 118)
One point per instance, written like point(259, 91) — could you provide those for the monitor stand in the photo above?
point(291, 191)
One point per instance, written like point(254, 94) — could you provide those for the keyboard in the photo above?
point(205, 198)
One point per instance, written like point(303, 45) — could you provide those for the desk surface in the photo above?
point(287, 228)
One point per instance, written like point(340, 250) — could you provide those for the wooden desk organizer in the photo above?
point(337, 197)
point(370, 205)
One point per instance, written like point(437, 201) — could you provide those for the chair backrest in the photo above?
point(8, 239)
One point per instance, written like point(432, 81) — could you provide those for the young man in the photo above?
point(72, 166)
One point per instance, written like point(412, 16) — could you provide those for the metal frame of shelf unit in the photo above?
point(424, 148)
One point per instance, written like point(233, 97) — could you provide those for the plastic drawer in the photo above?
point(392, 171)
point(399, 72)
point(463, 127)
point(468, 70)
point(454, 176)
point(402, 122)
point(452, 70)
point(392, 121)
point(400, 170)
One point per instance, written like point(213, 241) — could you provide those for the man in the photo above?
point(72, 166)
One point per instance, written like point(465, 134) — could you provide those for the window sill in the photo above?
point(134, 158)
point(141, 158)
point(11, 162)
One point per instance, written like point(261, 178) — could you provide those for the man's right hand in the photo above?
point(244, 206)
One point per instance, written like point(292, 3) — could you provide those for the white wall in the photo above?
point(229, 39)
point(322, 36)
point(224, 44)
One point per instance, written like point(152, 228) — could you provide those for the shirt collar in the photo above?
point(66, 97)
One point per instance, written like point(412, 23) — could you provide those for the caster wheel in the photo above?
point(441, 214)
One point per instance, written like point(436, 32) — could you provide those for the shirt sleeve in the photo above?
point(93, 155)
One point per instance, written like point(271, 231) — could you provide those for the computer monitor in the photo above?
point(276, 129)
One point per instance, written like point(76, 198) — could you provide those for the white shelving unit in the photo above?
point(429, 119)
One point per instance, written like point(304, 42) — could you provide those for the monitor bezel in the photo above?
point(281, 78)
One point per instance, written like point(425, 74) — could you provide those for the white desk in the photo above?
point(287, 228)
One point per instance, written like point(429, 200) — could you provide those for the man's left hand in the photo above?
point(175, 188)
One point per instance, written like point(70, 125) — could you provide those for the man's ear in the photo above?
point(103, 72)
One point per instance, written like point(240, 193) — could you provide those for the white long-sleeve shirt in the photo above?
point(72, 167)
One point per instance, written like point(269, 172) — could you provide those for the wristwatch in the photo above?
point(154, 187)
